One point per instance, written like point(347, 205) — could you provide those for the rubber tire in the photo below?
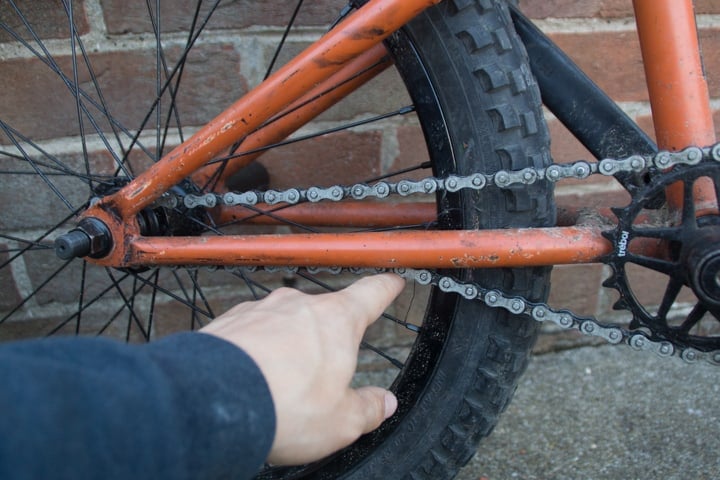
point(494, 118)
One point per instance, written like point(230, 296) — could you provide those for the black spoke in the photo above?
point(87, 305)
point(81, 298)
point(37, 169)
point(76, 82)
point(279, 48)
point(392, 318)
point(48, 60)
point(168, 82)
point(250, 283)
point(174, 297)
point(329, 131)
point(34, 243)
point(153, 298)
point(129, 303)
point(395, 362)
point(32, 294)
point(31, 245)
point(57, 167)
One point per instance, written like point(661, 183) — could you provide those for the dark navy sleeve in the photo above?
point(190, 406)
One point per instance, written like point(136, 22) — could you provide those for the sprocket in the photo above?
point(691, 262)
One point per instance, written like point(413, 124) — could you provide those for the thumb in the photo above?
point(373, 405)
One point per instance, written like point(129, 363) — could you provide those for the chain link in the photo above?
point(517, 305)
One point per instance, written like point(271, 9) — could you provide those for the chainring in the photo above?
point(698, 325)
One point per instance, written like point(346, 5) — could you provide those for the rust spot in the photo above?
point(373, 32)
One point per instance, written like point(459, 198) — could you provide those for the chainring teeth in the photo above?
point(658, 327)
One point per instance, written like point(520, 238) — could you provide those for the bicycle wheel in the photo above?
point(461, 84)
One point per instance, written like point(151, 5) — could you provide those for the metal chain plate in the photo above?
point(502, 179)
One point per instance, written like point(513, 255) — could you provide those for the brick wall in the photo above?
point(598, 34)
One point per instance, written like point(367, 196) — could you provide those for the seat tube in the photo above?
point(676, 82)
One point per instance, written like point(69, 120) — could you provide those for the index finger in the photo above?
point(370, 296)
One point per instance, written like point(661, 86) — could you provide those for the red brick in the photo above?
point(611, 59)
point(39, 106)
point(596, 8)
point(706, 6)
point(47, 18)
point(564, 147)
point(132, 17)
point(576, 8)
point(575, 287)
point(342, 158)
point(621, 74)
point(412, 151)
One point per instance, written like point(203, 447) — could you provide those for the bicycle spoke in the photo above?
point(279, 48)
point(394, 361)
point(153, 298)
point(76, 82)
point(170, 76)
point(329, 131)
point(32, 294)
point(40, 173)
point(36, 242)
point(57, 167)
point(98, 297)
point(49, 61)
point(81, 298)
point(129, 303)
point(392, 318)
point(250, 283)
point(31, 245)
point(175, 297)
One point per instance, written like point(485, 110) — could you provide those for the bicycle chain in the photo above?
point(538, 311)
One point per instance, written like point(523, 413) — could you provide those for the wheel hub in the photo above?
point(703, 263)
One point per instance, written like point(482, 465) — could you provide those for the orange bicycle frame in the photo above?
point(679, 100)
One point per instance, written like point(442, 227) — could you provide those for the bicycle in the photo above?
point(478, 255)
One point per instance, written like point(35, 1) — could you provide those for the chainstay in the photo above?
point(502, 179)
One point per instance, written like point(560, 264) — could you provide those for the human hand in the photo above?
point(307, 348)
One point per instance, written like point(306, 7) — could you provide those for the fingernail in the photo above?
point(391, 404)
